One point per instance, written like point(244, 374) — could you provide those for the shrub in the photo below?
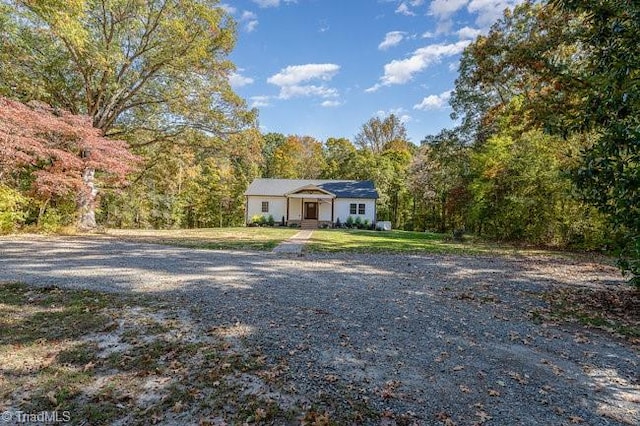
point(259, 220)
point(282, 222)
point(11, 213)
point(349, 222)
point(270, 220)
point(338, 223)
point(51, 221)
point(358, 222)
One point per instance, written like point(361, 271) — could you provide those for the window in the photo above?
point(265, 207)
point(360, 208)
point(352, 208)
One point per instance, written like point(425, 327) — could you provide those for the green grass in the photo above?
point(239, 238)
point(393, 242)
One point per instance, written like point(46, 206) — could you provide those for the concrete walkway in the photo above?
point(294, 244)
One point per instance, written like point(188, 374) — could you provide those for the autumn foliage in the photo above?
point(56, 148)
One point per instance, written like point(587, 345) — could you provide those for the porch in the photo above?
point(310, 207)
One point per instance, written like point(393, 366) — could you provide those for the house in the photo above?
point(311, 203)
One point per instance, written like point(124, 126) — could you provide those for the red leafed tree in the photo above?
point(63, 151)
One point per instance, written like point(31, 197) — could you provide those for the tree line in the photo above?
point(546, 151)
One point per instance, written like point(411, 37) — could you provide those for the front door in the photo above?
point(311, 210)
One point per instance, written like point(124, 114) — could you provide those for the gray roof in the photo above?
point(341, 188)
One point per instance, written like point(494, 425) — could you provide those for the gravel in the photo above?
point(419, 339)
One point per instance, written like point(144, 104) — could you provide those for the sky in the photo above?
point(323, 68)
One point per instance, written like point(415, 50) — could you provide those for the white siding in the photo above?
point(277, 207)
point(343, 205)
point(324, 210)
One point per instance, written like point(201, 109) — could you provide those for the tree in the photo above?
point(437, 178)
point(299, 157)
point(271, 142)
point(339, 156)
point(522, 55)
point(145, 71)
point(378, 132)
point(609, 176)
point(59, 149)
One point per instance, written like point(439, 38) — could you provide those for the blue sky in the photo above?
point(323, 68)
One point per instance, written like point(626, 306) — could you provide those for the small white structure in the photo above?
point(311, 202)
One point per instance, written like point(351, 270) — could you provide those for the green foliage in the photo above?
point(358, 222)
point(438, 179)
point(258, 220)
point(51, 221)
point(12, 209)
point(522, 193)
point(349, 222)
point(270, 220)
point(609, 176)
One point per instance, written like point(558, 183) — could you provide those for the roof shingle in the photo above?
point(341, 188)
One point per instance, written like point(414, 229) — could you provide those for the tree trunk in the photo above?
point(87, 202)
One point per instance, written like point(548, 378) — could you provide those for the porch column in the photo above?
point(287, 220)
point(332, 210)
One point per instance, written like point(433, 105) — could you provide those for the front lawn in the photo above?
point(209, 238)
point(392, 242)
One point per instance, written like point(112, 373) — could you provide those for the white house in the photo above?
point(311, 202)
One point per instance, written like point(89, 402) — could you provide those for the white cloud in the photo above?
point(401, 113)
point(249, 20)
point(489, 11)
point(289, 80)
point(432, 102)
point(401, 71)
point(331, 104)
point(392, 38)
point(238, 80)
point(260, 101)
point(228, 8)
point(443, 9)
point(271, 3)
point(295, 74)
point(403, 9)
point(468, 33)
point(296, 91)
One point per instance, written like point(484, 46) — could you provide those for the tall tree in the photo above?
point(340, 156)
point(299, 157)
point(523, 55)
point(437, 178)
point(610, 174)
point(144, 71)
point(377, 133)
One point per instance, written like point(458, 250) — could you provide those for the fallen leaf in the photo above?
point(493, 392)
point(465, 389)
point(458, 368)
point(484, 416)
point(576, 419)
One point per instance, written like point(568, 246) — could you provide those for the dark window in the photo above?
point(360, 208)
point(265, 207)
point(352, 208)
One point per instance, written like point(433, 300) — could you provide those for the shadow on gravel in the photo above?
point(399, 338)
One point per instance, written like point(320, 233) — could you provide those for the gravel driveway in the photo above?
point(427, 339)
